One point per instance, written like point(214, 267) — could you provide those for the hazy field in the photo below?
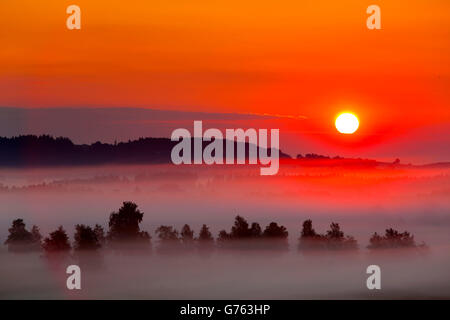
point(363, 200)
point(228, 275)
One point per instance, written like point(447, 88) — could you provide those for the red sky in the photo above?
point(296, 58)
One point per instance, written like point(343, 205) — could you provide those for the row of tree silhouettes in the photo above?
point(124, 232)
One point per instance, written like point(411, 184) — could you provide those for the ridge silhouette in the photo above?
point(45, 150)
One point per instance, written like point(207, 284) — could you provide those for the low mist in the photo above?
point(361, 200)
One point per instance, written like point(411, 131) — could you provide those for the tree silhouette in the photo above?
point(400, 239)
point(100, 233)
point(308, 231)
point(205, 235)
point(335, 232)
point(275, 237)
point(169, 239)
point(223, 236)
point(255, 230)
point(85, 238)
point(375, 241)
point(309, 239)
point(275, 231)
point(167, 234)
point(240, 230)
point(392, 239)
point(244, 236)
point(20, 239)
point(337, 239)
point(36, 233)
point(334, 239)
point(57, 242)
point(187, 235)
point(124, 225)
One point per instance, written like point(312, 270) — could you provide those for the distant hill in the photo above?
point(45, 150)
point(438, 165)
point(317, 160)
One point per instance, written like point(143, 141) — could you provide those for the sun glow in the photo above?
point(347, 123)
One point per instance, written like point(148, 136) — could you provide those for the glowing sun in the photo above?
point(347, 123)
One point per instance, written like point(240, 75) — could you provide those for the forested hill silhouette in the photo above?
point(45, 150)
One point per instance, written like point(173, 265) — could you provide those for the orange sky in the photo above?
point(309, 58)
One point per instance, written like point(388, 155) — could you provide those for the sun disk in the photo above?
point(347, 123)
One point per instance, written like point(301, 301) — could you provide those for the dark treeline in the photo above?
point(45, 150)
point(273, 236)
point(124, 233)
point(334, 239)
